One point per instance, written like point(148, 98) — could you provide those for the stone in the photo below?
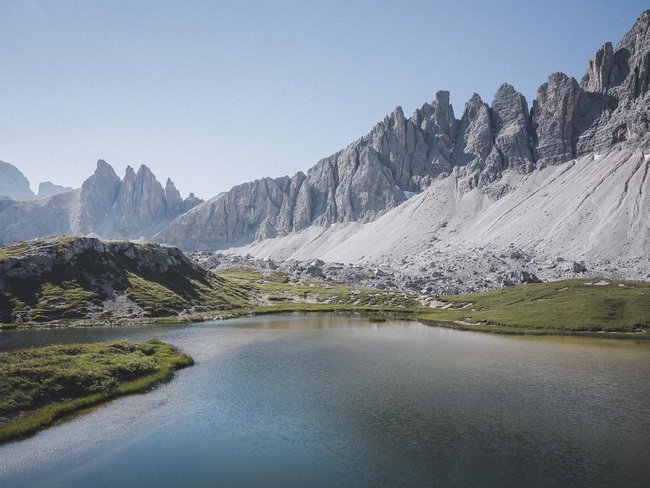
point(48, 189)
point(98, 195)
point(13, 183)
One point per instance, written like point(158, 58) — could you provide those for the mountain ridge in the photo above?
point(488, 153)
point(370, 176)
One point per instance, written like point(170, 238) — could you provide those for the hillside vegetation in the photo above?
point(560, 306)
point(40, 385)
point(73, 278)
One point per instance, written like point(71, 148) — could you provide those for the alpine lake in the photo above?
point(329, 400)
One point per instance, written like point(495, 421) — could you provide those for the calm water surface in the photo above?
point(337, 401)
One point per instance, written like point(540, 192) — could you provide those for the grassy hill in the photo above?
point(561, 306)
point(72, 278)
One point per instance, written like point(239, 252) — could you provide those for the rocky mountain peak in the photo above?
point(141, 202)
point(48, 189)
point(172, 195)
point(13, 183)
point(513, 140)
point(104, 170)
point(634, 51)
point(132, 207)
point(554, 114)
point(475, 136)
point(605, 70)
point(98, 194)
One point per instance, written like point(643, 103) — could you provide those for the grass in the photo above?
point(568, 306)
point(13, 251)
point(40, 385)
point(209, 292)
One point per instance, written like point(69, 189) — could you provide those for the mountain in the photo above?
point(588, 216)
point(134, 207)
point(48, 189)
point(70, 278)
point(13, 183)
point(560, 183)
point(490, 148)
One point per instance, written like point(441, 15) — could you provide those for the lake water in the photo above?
point(334, 400)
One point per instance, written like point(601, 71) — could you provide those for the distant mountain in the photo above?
point(402, 156)
point(48, 189)
point(13, 183)
point(132, 208)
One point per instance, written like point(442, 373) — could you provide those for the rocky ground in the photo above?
point(435, 272)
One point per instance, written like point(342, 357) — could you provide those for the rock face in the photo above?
point(13, 183)
point(98, 194)
point(20, 221)
point(48, 189)
point(132, 208)
point(141, 202)
point(620, 75)
point(554, 115)
point(404, 155)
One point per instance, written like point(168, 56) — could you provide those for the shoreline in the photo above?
point(33, 421)
point(413, 314)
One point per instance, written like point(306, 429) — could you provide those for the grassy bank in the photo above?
point(587, 307)
point(570, 307)
point(40, 385)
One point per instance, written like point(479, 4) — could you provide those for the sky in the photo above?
point(213, 94)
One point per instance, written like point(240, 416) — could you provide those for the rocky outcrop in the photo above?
point(513, 142)
point(141, 203)
point(13, 183)
point(620, 77)
point(80, 277)
point(48, 189)
point(554, 113)
point(98, 195)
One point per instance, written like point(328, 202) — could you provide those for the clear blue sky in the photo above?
point(213, 93)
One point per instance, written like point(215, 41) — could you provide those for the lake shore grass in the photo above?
point(581, 307)
point(39, 386)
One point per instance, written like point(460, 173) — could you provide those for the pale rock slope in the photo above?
point(593, 209)
point(586, 217)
